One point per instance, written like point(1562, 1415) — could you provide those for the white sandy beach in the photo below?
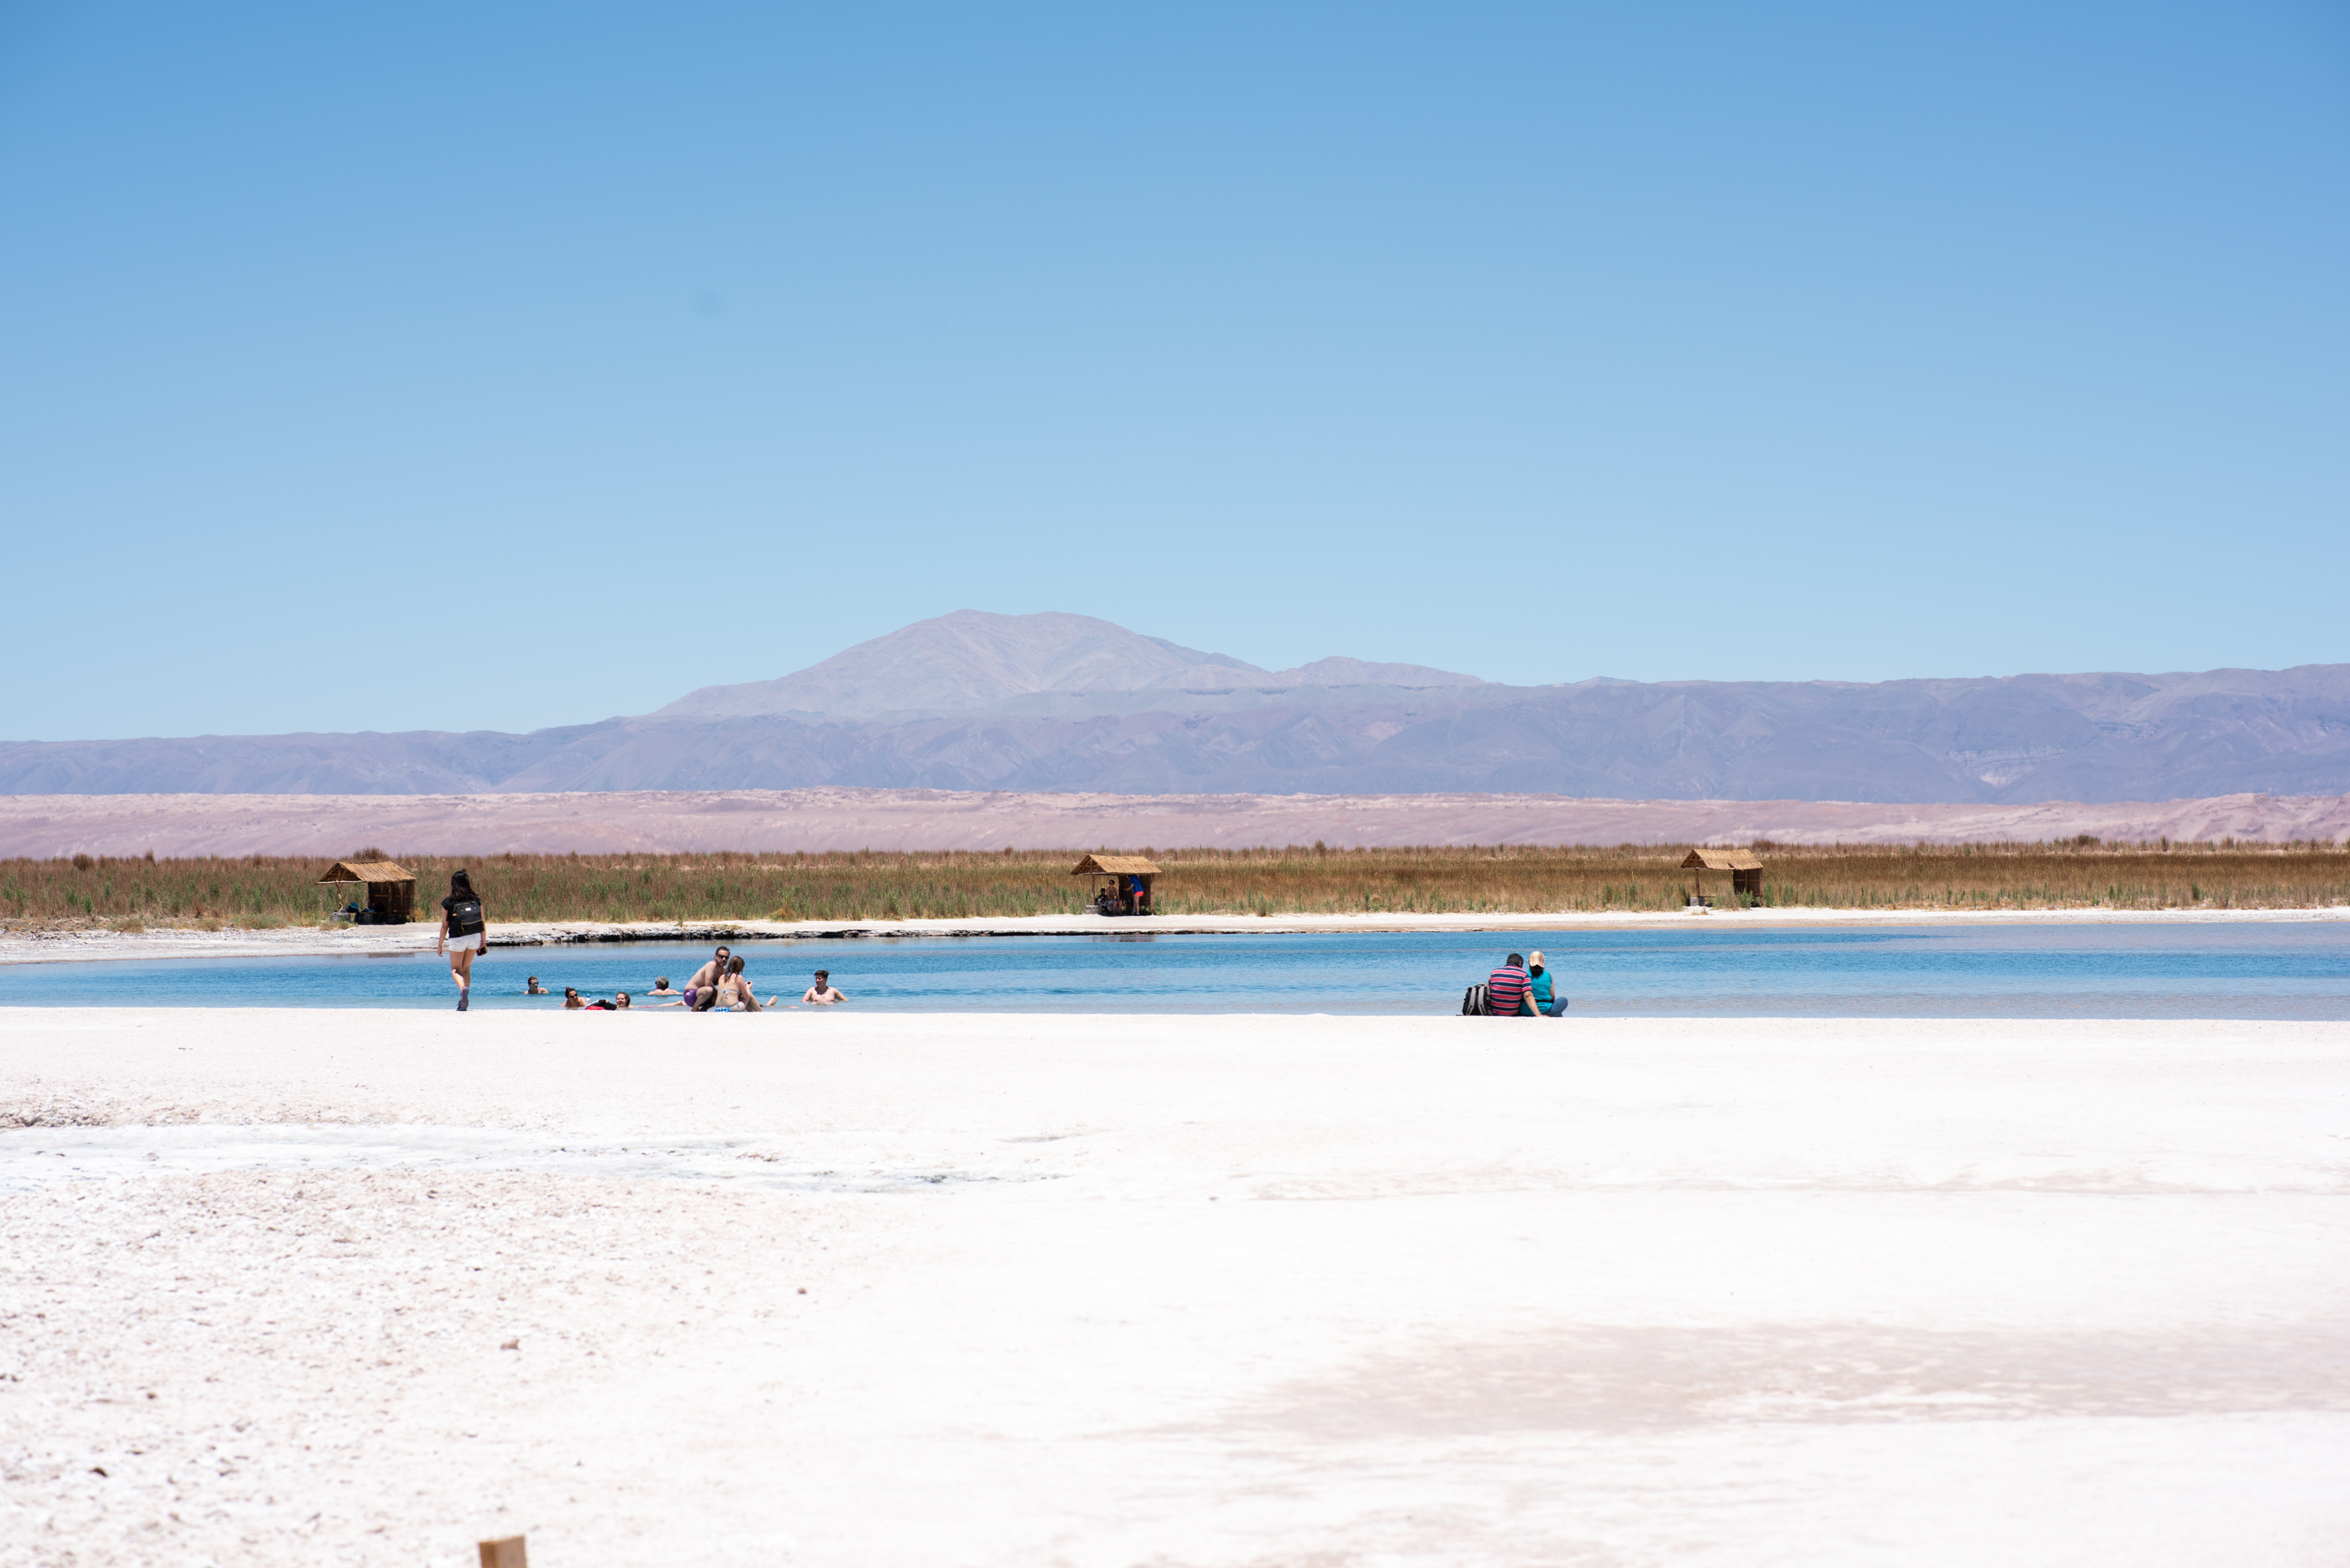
point(1170, 1290)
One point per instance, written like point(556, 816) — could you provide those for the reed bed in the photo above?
point(127, 893)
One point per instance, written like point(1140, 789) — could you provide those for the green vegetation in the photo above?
point(267, 890)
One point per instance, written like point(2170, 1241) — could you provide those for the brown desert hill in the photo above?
point(682, 821)
point(1066, 703)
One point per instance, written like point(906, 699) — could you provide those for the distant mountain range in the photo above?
point(973, 701)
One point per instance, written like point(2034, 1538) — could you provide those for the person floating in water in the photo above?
point(465, 935)
point(821, 994)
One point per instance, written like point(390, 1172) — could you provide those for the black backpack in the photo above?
point(1473, 1003)
point(464, 916)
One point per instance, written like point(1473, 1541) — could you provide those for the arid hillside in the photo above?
point(672, 822)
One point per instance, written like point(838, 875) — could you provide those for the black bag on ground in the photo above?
point(1473, 1003)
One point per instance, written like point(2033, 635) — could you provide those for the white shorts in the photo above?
point(472, 944)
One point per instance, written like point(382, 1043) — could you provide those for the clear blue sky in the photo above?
point(621, 350)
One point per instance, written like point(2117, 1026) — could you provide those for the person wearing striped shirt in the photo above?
point(1505, 989)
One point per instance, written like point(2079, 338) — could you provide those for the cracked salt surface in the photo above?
point(45, 1156)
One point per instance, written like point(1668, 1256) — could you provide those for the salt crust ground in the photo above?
point(1185, 1291)
point(26, 946)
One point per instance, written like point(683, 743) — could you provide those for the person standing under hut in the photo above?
point(1538, 990)
point(465, 935)
point(1505, 989)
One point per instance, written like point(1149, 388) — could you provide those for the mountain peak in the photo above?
point(976, 659)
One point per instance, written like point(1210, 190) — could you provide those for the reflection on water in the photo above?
point(2202, 969)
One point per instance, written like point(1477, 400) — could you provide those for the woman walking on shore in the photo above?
point(463, 934)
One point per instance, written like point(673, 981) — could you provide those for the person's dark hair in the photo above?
point(823, 974)
point(734, 964)
point(621, 1000)
point(461, 886)
point(661, 984)
point(1516, 959)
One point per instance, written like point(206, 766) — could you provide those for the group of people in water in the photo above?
point(718, 986)
point(1519, 989)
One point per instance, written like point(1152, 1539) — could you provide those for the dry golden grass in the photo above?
point(264, 890)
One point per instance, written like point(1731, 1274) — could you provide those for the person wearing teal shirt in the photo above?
point(1538, 1003)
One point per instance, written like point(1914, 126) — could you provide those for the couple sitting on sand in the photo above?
point(1515, 992)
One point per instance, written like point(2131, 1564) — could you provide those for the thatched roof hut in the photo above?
point(1115, 865)
point(1723, 860)
point(1745, 869)
point(1125, 882)
point(390, 888)
point(367, 871)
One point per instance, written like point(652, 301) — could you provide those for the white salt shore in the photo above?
point(27, 945)
point(832, 1289)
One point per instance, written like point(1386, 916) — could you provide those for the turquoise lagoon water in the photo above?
point(2188, 970)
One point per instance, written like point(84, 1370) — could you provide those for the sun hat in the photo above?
point(1534, 958)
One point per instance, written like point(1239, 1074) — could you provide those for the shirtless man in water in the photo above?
point(821, 994)
point(703, 986)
